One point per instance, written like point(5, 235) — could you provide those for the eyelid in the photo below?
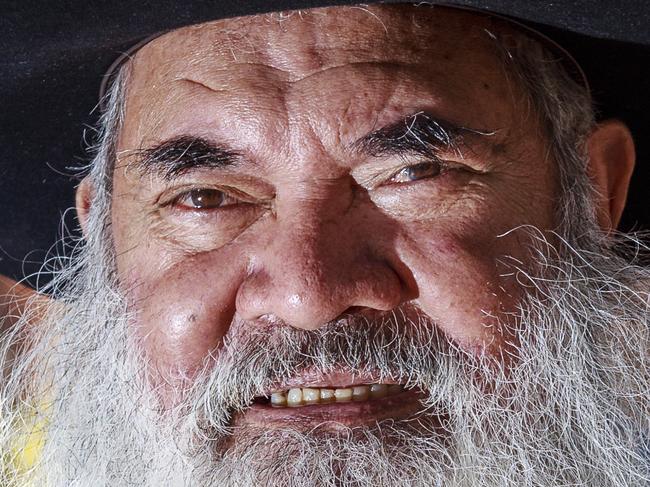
point(172, 196)
point(384, 177)
point(227, 200)
point(440, 167)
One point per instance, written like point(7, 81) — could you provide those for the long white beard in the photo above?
point(572, 410)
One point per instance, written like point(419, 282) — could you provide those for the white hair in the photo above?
point(571, 410)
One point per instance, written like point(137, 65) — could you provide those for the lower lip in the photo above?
point(400, 406)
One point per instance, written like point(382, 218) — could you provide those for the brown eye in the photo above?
point(417, 172)
point(202, 199)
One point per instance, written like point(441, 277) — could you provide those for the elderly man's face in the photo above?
point(297, 170)
point(321, 203)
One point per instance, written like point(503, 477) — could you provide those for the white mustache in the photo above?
point(402, 346)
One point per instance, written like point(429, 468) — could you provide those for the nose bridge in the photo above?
point(315, 257)
point(318, 242)
point(318, 263)
point(317, 230)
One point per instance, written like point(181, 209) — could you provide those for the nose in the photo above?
point(321, 260)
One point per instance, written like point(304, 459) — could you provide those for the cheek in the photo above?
point(180, 314)
point(460, 283)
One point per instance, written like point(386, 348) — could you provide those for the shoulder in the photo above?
point(13, 300)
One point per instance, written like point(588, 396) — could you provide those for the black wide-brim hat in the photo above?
point(53, 56)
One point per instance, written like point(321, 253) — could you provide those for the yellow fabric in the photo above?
point(26, 455)
point(29, 444)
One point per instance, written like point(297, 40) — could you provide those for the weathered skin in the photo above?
point(324, 232)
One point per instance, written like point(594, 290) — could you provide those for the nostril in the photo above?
point(354, 310)
point(364, 311)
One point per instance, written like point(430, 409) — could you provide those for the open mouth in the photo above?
point(305, 396)
point(320, 404)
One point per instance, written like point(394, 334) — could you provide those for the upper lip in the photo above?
point(333, 379)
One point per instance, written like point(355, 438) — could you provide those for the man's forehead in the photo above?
point(302, 42)
point(257, 61)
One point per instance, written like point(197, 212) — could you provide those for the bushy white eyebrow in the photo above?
point(174, 157)
point(418, 133)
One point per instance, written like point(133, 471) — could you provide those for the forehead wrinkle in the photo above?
point(204, 80)
point(302, 46)
point(318, 51)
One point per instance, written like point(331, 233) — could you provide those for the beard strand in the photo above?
point(571, 410)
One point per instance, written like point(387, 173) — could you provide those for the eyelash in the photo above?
point(439, 167)
point(226, 200)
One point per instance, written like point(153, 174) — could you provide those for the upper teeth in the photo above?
point(318, 395)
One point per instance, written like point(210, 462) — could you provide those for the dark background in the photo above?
point(54, 55)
